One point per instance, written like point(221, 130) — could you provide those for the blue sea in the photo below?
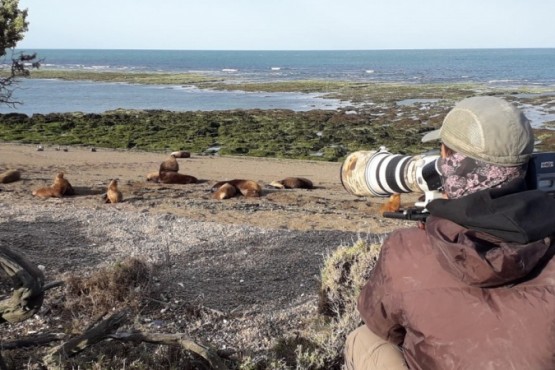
point(494, 67)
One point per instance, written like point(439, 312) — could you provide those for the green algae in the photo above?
point(146, 78)
point(321, 135)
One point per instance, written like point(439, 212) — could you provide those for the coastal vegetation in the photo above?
point(327, 135)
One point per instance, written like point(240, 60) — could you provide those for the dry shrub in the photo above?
point(321, 346)
point(344, 273)
point(122, 284)
point(139, 356)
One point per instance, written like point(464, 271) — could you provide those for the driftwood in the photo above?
point(54, 358)
point(28, 282)
point(107, 328)
point(182, 340)
point(36, 341)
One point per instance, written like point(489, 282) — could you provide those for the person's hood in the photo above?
point(492, 237)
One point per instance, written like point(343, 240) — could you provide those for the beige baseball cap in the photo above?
point(487, 128)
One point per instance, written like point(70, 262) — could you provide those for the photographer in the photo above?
point(474, 288)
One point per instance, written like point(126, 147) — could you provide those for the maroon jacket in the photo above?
point(462, 297)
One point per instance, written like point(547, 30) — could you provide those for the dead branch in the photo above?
point(106, 329)
point(28, 282)
point(55, 357)
point(182, 340)
point(32, 341)
point(51, 285)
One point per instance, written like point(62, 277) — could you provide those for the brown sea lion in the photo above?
point(48, 192)
point(169, 165)
point(10, 176)
point(59, 188)
point(153, 176)
point(393, 204)
point(248, 188)
point(64, 185)
point(113, 195)
point(225, 191)
point(181, 154)
point(293, 183)
point(169, 177)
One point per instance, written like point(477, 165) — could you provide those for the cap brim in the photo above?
point(431, 136)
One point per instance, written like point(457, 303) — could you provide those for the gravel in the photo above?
point(221, 266)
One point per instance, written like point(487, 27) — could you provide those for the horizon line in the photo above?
point(282, 50)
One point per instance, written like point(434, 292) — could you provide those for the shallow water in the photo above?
point(48, 96)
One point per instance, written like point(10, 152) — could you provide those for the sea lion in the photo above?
point(225, 191)
point(247, 188)
point(169, 177)
point(10, 176)
point(169, 165)
point(168, 173)
point(113, 195)
point(153, 176)
point(393, 204)
point(59, 188)
point(64, 185)
point(47, 192)
point(181, 154)
point(293, 183)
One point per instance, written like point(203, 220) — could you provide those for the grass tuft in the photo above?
point(320, 345)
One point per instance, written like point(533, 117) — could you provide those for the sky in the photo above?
point(288, 24)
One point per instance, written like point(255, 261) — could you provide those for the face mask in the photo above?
point(463, 175)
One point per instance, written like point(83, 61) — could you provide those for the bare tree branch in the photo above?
point(54, 358)
point(174, 339)
point(21, 66)
point(107, 328)
point(37, 341)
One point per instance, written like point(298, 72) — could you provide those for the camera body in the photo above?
point(381, 173)
point(540, 173)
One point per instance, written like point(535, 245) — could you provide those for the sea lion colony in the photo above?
point(168, 173)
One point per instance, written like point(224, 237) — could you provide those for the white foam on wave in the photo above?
point(501, 81)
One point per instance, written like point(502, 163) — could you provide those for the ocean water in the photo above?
point(496, 67)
